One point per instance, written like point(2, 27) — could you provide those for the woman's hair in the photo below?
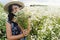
point(11, 15)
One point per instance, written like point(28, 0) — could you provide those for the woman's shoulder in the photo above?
point(8, 23)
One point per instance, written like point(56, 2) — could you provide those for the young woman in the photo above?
point(13, 30)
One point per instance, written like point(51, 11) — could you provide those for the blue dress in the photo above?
point(16, 30)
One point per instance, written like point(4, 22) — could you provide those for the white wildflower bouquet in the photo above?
point(22, 19)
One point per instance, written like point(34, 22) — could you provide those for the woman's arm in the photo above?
point(29, 25)
point(9, 33)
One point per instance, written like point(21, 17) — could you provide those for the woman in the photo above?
point(13, 30)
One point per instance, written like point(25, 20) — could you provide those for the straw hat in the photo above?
point(13, 2)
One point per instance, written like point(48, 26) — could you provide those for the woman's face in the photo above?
point(15, 8)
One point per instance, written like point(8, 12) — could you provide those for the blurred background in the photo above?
point(45, 16)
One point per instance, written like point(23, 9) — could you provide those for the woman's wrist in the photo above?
point(22, 35)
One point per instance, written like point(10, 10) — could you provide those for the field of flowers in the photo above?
point(45, 22)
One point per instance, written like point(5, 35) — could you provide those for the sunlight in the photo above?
point(38, 2)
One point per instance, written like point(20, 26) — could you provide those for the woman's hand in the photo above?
point(25, 32)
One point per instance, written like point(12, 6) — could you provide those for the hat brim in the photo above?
point(13, 2)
